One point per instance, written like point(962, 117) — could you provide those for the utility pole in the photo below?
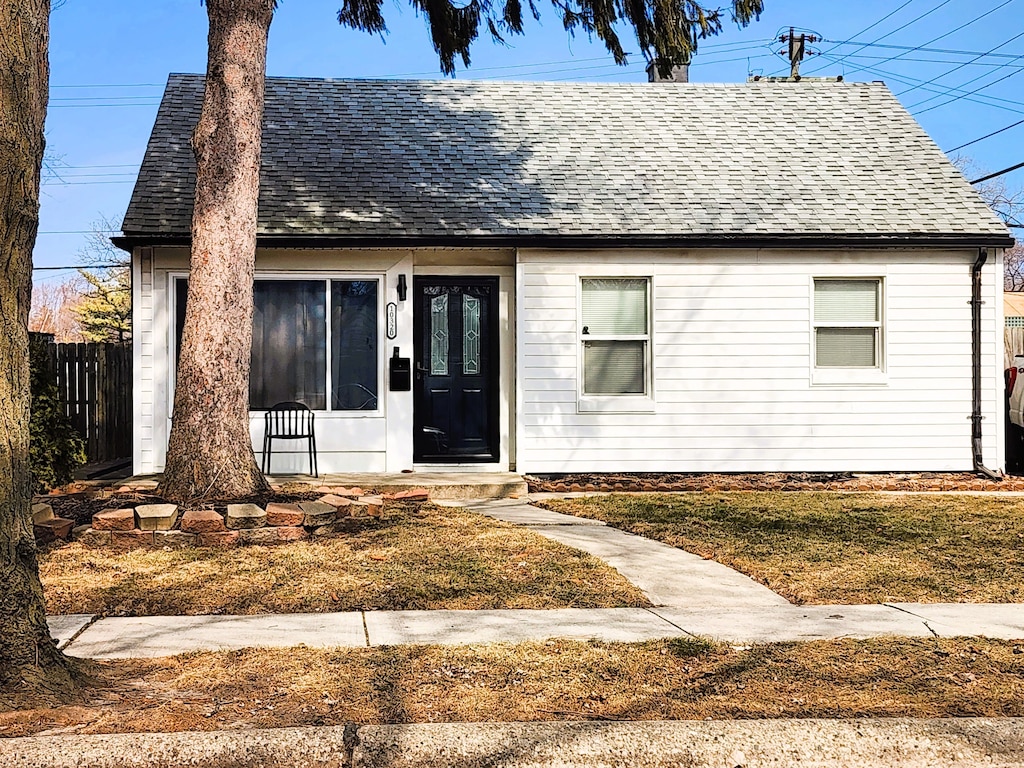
point(797, 50)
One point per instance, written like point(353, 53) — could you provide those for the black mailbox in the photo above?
point(400, 373)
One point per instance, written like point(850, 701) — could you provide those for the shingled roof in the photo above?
point(376, 161)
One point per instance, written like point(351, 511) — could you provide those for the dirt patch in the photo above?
point(773, 481)
point(555, 680)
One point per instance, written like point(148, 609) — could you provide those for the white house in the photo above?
point(595, 277)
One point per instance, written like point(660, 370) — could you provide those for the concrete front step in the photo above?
point(441, 485)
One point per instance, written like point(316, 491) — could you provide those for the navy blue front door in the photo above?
point(456, 369)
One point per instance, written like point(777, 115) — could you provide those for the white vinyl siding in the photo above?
point(732, 355)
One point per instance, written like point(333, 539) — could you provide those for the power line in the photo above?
point(972, 63)
point(998, 173)
point(55, 183)
point(944, 34)
point(81, 106)
point(105, 165)
point(871, 26)
point(78, 266)
point(988, 101)
point(908, 48)
point(898, 29)
point(959, 67)
point(79, 232)
point(971, 93)
point(986, 136)
point(112, 85)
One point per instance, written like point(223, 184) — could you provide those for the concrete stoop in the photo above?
point(907, 743)
point(441, 485)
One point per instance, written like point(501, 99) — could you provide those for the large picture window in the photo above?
point(847, 323)
point(310, 338)
point(615, 336)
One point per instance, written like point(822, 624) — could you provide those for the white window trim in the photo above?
point(851, 376)
point(615, 403)
point(382, 389)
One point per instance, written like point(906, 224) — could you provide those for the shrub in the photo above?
point(55, 449)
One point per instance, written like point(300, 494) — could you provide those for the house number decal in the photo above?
point(392, 319)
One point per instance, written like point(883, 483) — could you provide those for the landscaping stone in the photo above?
point(258, 536)
point(219, 539)
point(114, 520)
point(41, 513)
point(413, 494)
point(131, 539)
point(202, 521)
point(324, 531)
point(317, 514)
point(374, 505)
point(333, 499)
point(246, 516)
point(355, 508)
point(174, 539)
point(284, 514)
point(79, 531)
point(156, 517)
point(94, 538)
point(354, 492)
point(291, 533)
point(53, 529)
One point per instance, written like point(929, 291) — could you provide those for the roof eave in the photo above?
point(129, 241)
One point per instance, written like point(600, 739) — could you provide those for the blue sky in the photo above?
point(109, 61)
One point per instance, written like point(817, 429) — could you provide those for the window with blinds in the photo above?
point(615, 335)
point(847, 323)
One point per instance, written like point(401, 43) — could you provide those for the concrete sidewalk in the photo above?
point(942, 743)
point(152, 636)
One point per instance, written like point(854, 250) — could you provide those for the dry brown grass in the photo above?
point(554, 680)
point(426, 559)
point(821, 547)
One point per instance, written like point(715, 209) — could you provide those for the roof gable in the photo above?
point(471, 159)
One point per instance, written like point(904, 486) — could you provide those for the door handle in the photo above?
point(421, 369)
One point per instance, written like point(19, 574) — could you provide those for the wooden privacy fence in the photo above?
point(95, 380)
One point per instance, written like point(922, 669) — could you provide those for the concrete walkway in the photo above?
point(667, 575)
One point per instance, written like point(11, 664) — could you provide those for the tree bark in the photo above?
point(210, 452)
point(29, 660)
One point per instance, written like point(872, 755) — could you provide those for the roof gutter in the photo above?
point(554, 241)
point(976, 415)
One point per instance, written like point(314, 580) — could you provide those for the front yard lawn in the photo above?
point(426, 559)
point(839, 547)
point(554, 680)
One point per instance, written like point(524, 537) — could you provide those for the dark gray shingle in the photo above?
point(392, 158)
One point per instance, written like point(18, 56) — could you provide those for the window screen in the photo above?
point(615, 336)
point(847, 320)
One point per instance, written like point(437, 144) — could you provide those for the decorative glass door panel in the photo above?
point(456, 390)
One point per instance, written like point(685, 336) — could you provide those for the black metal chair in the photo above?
point(289, 421)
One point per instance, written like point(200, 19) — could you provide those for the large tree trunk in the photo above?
point(29, 660)
point(210, 452)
